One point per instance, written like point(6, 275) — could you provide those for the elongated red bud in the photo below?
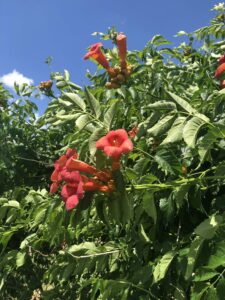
point(122, 47)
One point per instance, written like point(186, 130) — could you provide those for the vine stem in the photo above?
point(173, 184)
point(93, 255)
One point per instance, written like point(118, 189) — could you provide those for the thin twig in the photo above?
point(34, 160)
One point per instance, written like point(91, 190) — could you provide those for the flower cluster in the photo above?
point(78, 176)
point(117, 74)
point(220, 71)
point(69, 169)
point(45, 85)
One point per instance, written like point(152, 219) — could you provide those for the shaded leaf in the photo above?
point(74, 98)
point(93, 102)
point(191, 130)
point(162, 125)
point(163, 265)
point(207, 228)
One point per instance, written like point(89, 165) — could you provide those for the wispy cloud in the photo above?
point(15, 76)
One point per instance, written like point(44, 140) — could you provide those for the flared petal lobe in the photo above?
point(127, 146)
point(220, 70)
point(72, 202)
point(113, 151)
point(102, 142)
point(54, 188)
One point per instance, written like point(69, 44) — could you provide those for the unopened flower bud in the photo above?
point(121, 78)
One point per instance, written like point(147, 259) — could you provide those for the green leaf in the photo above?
point(159, 40)
point(204, 273)
point(220, 289)
point(110, 114)
point(68, 117)
point(12, 203)
point(180, 193)
point(121, 199)
point(163, 265)
point(175, 133)
point(83, 247)
point(193, 254)
point(162, 105)
point(68, 271)
point(64, 102)
point(20, 259)
point(217, 258)
point(183, 103)
point(191, 130)
point(186, 106)
point(198, 289)
point(149, 205)
point(74, 98)
point(211, 294)
point(167, 161)
point(66, 75)
point(162, 125)
point(143, 234)
point(93, 102)
point(82, 121)
point(96, 135)
point(208, 228)
point(207, 143)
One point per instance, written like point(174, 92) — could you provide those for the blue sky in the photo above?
point(32, 30)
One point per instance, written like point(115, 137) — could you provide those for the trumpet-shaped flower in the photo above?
point(78, 165)
point(95, 52)
point(220, 70)
point(115, 143)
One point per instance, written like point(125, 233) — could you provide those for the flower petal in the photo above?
point(112, 151)
point(70, 152)
point(54, 188)
point(127, 146)
point(71, 202)
point(55, 177)
point(220, 70)
point(78, 165)
point(102, 142)
point(80, 190)
point(68, 191)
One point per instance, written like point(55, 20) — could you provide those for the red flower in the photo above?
point(72, 194)
point(54, 188)
point(78, 165)
point(71, 202)
point(71, 178)
point(95, 52)
point(220, 70)
point(222, 60)
point(122, 47)
point(115, 143)
point(70, 152)
point(91, 184)
point(132, 133)
point(222, 84)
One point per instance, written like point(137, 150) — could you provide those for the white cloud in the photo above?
point(15, 76)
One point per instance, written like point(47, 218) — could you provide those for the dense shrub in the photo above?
point(160, 233)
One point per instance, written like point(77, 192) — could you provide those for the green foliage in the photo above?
point(160, 235)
